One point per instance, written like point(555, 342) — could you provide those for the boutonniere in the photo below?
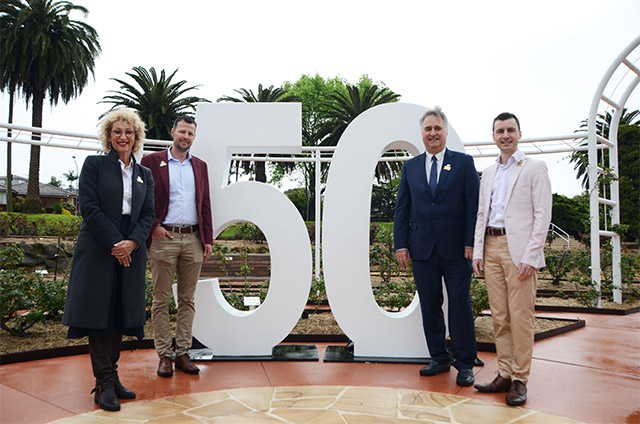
point(163, 163)
point(520, 162)
point(140, 180)
point(447, 167)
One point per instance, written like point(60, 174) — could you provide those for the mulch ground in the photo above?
point(51, 335)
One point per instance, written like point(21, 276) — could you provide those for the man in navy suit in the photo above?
point(433, 228)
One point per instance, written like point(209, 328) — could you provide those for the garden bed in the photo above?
point(48, 340)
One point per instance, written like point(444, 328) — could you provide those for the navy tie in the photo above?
point(433, 176)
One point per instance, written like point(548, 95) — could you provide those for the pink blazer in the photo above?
point(527, 212)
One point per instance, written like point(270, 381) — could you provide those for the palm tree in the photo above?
point(70, 176)
point(343, 108)
point(581, 158)
point(158, 101)
point(44, 52)
point(265, 95)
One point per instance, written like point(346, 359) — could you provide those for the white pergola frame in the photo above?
point(605, 97)
point(542, 145)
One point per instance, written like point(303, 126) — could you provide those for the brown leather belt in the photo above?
point(181, 230)
point(496, 231)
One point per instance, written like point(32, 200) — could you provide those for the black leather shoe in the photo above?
point(122, 392)
point(498, 385)
point(106, 398)
point(434, 368)
point(517, 394)
point(465, 377)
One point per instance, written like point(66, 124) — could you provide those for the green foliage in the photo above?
point(383, 200)
point(328, 106)
point(382, 256)
point(559, 264)
point(69, 206)
point(44, 52)
point(479, 297)
point(570, 214)
point(586, 291)
point(628, 166)
point(55, 182)
point(629, 181)
point(343, 108)
point(25, 299)
point(235, 297)
point(250, 232)
point(393, 295)
point(298, 197)
point(158, 100)
point(317, 293)
point(66, 226)
point(389, 294)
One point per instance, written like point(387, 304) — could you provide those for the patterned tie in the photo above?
point(433, 176)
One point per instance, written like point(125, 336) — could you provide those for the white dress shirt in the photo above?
point(183, 208)
point(499, 190)
point(127, 176)
point(440, 157)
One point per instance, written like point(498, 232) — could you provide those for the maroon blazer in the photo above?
point(158, 163)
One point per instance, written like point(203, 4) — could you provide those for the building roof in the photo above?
point(19, 187)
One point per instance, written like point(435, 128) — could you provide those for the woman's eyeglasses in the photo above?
point(128, 133)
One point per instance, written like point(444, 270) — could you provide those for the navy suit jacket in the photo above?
point(446, 221)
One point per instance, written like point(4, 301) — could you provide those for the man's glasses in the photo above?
point(128, 133)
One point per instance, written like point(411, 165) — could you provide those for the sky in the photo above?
point(541, 60)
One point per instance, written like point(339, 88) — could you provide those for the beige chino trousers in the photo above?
point(183, 257)
point(512, 309)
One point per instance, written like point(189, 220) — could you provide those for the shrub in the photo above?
point(317, 293)
point(25, 299)
point(382, 255)
point(393, 295)
point(559, 264)
point(479, 297)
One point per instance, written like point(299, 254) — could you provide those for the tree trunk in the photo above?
point(32, 203)
point(261, 172)
point(9, 184)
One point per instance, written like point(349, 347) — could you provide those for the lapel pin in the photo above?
point(520, 162)
point(163, 163)
point(447, 167)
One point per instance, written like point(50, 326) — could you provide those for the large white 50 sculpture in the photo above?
point(276, 128)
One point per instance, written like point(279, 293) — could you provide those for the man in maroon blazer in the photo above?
point(180, 241)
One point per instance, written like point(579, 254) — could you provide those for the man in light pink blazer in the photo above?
point(514, 212)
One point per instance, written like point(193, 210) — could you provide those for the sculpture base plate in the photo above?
point(306, 352)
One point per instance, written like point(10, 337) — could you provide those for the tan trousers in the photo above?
point(512, 309)
point(182, 256)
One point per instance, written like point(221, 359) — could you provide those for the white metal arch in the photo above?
point(605, 97)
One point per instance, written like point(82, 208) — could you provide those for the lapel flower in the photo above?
point(520, 162)
point(447, 167)
point(140, 179)
point(163, 163)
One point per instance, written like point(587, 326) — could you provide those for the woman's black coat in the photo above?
point(92, 268)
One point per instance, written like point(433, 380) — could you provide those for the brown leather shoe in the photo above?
point(184, 364)
point(517, 394)
point(165, 369)
point(498, 385)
